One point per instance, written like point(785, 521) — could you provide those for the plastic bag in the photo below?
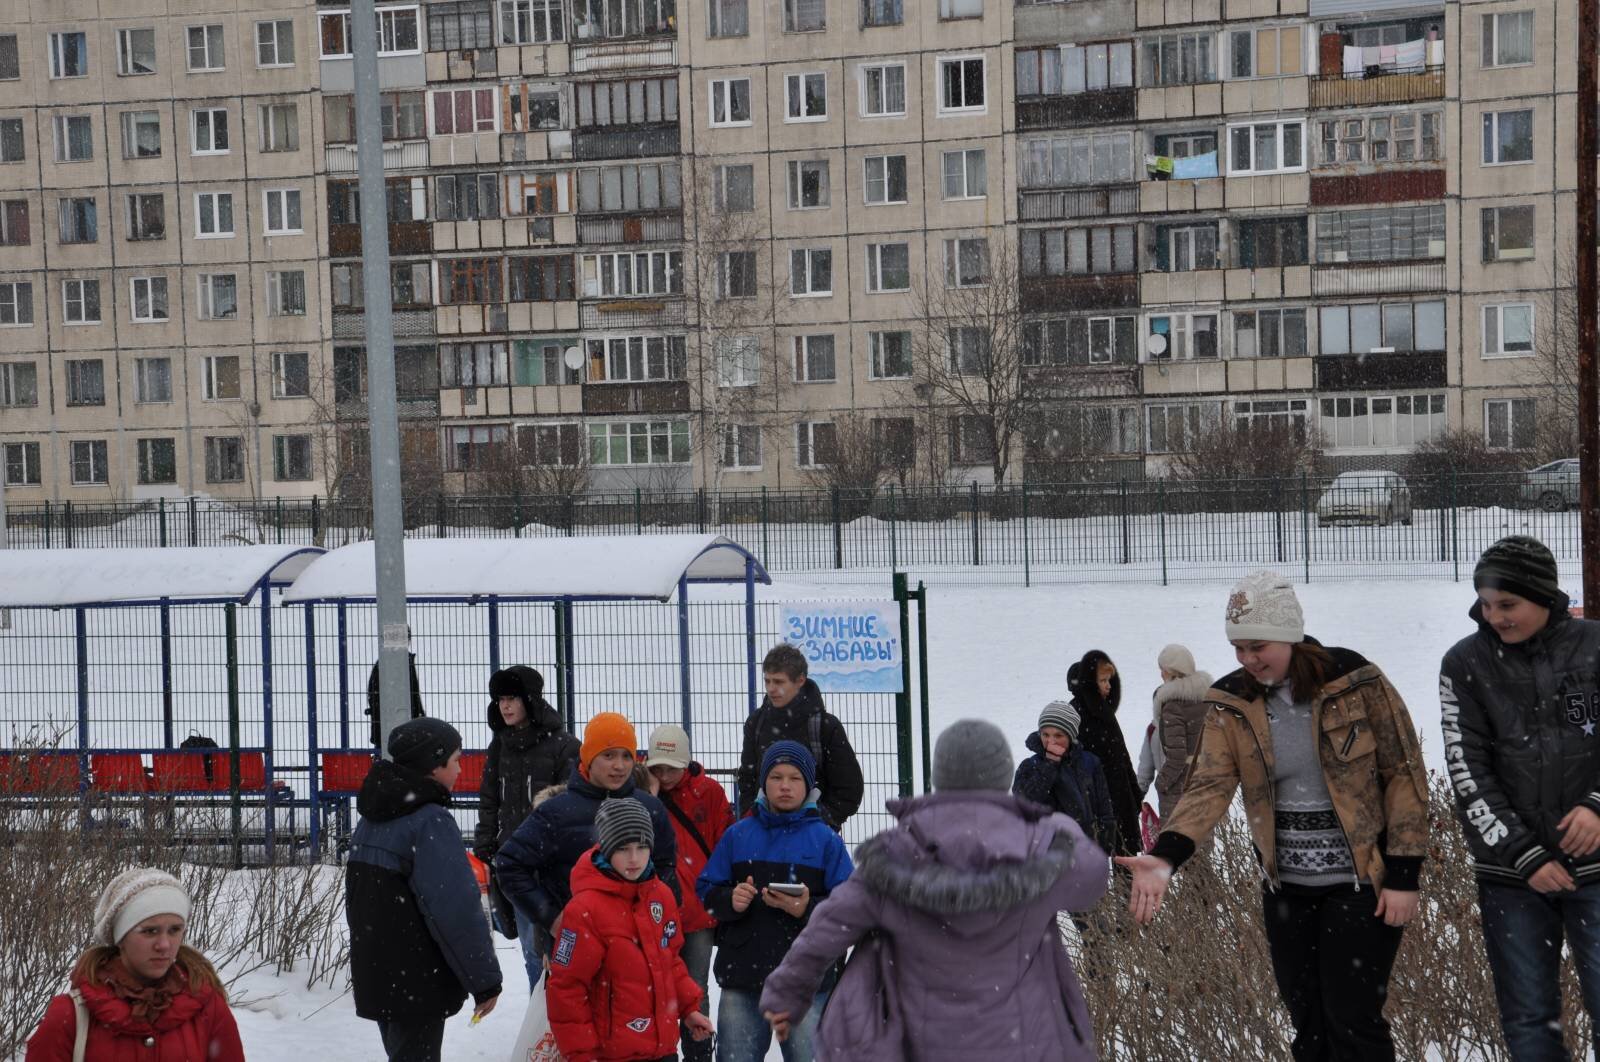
point(535, 1042)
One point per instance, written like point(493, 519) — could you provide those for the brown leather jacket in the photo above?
point(1370, 758)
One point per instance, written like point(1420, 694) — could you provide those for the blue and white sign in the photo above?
point(850, 646)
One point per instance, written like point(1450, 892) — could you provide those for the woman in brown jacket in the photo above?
point(1177, 716)
point(1336, 800)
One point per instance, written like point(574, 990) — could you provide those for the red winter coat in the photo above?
point(617, 982)
point(197, 1027)
point(705, 802)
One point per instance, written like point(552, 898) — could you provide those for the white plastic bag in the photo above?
point(535, 1042)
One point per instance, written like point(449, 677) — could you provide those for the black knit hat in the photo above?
point(1523, 566)
point(623, 821)
point(423, 744)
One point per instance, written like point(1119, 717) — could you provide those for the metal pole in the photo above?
point(5, 540)
point(683, 653)
point(1588, 306)
point(80, 619)
point(166, 673)
point(902, 700)
point(313, 746)
point(383, 418)
point(922, 682)
point(494, 634)
point(236, 815)
point(266, 712)
point(751, 699)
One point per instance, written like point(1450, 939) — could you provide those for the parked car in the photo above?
point(1552, 487)
point(1371, 496)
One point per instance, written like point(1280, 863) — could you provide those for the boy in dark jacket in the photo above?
point(783, 843)
point(1520, 708)
point(372, 695)
point(534, 865)
point(418, 941)
point(1064, 777)
point(617, 980)
point(793, 711)
point(1096, 690)
point(531, 751)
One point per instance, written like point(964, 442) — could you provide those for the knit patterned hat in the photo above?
point(1063, 716)
point(1523, 566)
point(1176, 659)
point(669, 747)
point(608, 730)
point(794, 754)
point(423, 744)
point(1263, 608)
point(622, 822)
point(972, 754)
point(133, 896)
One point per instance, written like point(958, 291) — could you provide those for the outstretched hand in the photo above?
point(779, 1023)
point(1151, 876)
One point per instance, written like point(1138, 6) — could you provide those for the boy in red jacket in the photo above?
point(617, 982)
point(700, 812)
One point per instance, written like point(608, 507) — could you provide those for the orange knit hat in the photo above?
point(608, 730)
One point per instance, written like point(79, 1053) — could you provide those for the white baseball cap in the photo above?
point(669, 747)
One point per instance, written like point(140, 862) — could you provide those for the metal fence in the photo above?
point(1141, 531)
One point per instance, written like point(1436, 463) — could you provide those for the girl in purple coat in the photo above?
point(960, 903)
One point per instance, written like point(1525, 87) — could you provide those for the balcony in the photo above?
point(405, 237)
point(1381, 371)
point(628, 142)
point(665, 397)
point(620, 314)
point(1101, 107)
point(638, 54)
point(1400, 86)
point(1399, 186)
point(632, 229)
point(412, 407)
point(1070, 382)
point(1053, 204)
point(1069, 293)
point(400, 155)
point(407, 324)
point(1377, 278)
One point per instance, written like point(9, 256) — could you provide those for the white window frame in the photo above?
point(79, 392)
point(796, 170)
point(876, 361)
point(126, 59)
point(528, 15)
point(58, 55)
point(1511, 427)
point(75, 292)
point(720, 187)
point(802, 360)
point(212, 128)
point(149, 286)
point(735, 438)
point(1180, 333)
point(1197, 416)
point(277, 306)
point(1491, 130)
point(131, 122)
point(866, 71)
point(953, 275)
point(1300, 30)
point(214, 451)
point(1493, 329)
point(280, 453)
point(142, 376)
point(391, 10)
point(27, 460)
point(948, 12)
point(1491, 32)
point(16, 304)
point(215, 199)
point(618, 274)
point(98, 459)
point(268, 139)
point(144, 450)
point(61, 124)
point(738, 360)
point(637, 356)
point(279, 376)
point(723, 87)
point(20, 143)
point(964, 108)
point(275, 44)
point(802, 270)
point(1489, 218)
point(605, 433)
point(795, 97)
point(432, 115)
point(213, 64)
point(1278, 164)
point(805, 443)
point(11, 388)
point(211, 377)
point(874, 278)
point(966, 174)
point(276, 201)
point(205, 289)
point(883, 181)
point(1307, 317)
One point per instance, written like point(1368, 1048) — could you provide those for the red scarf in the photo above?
point(146, 1001)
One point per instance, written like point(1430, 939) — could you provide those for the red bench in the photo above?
point(185, 772)
point(471, 776)
point(118, 772)
point(343, 772)
point(39, 773)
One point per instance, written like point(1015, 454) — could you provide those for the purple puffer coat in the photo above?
point(965, 893)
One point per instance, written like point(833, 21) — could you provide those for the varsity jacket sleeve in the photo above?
point(715, 885)
point(488, 827)
point(849, 913)
point(447, 897)
point(749, 764)
point(1495, 831)
point(1405, 788)
point(1207, 796)
point(517, 867)
point(841, 782)
point(574, 963)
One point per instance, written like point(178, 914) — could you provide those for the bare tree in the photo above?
point(1227, 451)
point(1553, 370)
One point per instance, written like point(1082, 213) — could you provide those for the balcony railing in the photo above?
point(1081, 108)
point(1395, 186)
point(397, 155)
point(407, 323)
point(1381, 371)
point(1377, 278)
point(625, 143)
point(1063, 294)
point(660, 397)
point(638, 54)
point(630, 229)
point(1390, 86)
point(1050, 204)
point(411, 407)
point(405, 237)
point(631, 313)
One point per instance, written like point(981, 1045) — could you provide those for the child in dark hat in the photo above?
point(1064, 776)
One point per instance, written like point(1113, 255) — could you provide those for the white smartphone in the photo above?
point(788, 888)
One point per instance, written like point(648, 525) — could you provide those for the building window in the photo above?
point(1187, 336)
point(730, 101)
point(1507, 137)
point(639, 442)
point(457, 112)
point(141, 134)
point(1272, 51)
point(80, 301)
point(467, 449)
point(86, 382)
point(736, 275)
point(528, 22)
point(960, 9)
point(19, 384)
point(14, 231)
point(10, 65)
point(219, 297)
point(808, 184)
point(280, 127)
point(158, 461)
point(152, 380)
point(1175, 427)
point(734, 189)
point(543, 278)
point(882, 13)
point(807, 97)
point(816, 444)
point(1394, 137)
point(645, 186)
point(1508, 330)
point(728, 18)
point(291, 374)
point(961, 84)
point(69, 55)
point(888, 267)
point(1263, 243)
point(883, 90)
point(79, 220)
point(1507, 233)
point(811, 271)
point(275, 43)
point(969, 348)
point(282, 211)
point(291, 458)
point(965, 174)
point(1078, 251)
point(1251, 416)
point(469, 280)
point(813, 359)
point(884, 179)
point(468, 25)
point(637, 359)
point(741, 446)
point(89, 465)
point(1385, 422)
point(1508, 39)
point(402, 115)
point(971, 441)
point(550, 445)
point(220, 377)
point(890, 355)
point(224, 459)
point(1508, 423)
point(16, 303)
point(205, 49)
point(1184, 248)
point(1384, 234)
point(22, 464)
point(136, 52)
point(286, 293)
point(1269, 333)
point(466, 197)
point(627, 273)
point(1081, 341)
point(397, 32)
point(642, 101)
point(1267, 147)
point(149, 298)
point(966, 263)
point(738, 361)
point(12, 148)
point(1365, 327)
point(1073, 68)
point(473, 365)
point(147, 216)
point(74, 138)
point(1064, 160)
point(804, 16)
point(213, 212)
point(1179, 59)
point(210, 126)
point(630, 18)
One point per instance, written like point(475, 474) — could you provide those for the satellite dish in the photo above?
point(1156, 344)
point(573, 358)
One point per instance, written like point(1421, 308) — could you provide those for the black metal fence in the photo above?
point(1143, 531)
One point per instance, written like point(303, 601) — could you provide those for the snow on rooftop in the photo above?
point(54, 578)
point(602, 566)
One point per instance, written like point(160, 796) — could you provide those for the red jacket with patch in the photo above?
point(617, 982)
point(703, 800)
point(197, 1027)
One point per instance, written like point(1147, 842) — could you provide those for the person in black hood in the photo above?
point(372, 695)
point(419, 944)
point(1096, 690)
point(531, 750)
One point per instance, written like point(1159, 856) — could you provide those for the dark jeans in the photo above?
point(1522, 932)
point(697, 957)
point(1331, 959)
point(412, 1041)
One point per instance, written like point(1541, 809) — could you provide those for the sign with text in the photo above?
point(850, 646)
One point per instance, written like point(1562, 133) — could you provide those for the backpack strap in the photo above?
point(678, 813)
point(80, 1043)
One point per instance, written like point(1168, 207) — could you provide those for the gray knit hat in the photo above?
point(1523, 566)
point(972, 754)
point(1263, 608)
point(621, 822)
point(1063, 716)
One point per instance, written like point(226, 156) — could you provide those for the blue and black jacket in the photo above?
point(1076, 787)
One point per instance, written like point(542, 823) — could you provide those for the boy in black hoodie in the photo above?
point(1096, 691)
point(793, 711)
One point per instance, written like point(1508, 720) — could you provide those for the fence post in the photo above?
point(1277, 515)
point(194, 521)
point(278, 514)
point(572, 515)
point(902, 700)
point(316, 520)
point(1027, 546)
point(236, 816)
point(1122, 501)
point(438, 511)
point(161, 519)
point(700, 501)
point(48, 521)
point(894, 539)
point(1161, 525)
point(638, 511)
point(1455, 528)
point(838, 530)
point(66, 518)
point(516, 513)
point(766, 557)
point(1305, 523)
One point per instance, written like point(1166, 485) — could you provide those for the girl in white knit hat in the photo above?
point(140, 991)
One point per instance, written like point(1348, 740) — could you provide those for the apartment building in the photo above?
point(638, 246)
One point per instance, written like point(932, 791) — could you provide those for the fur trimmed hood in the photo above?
point(1185, 688)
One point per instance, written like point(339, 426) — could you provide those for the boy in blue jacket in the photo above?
point(764, 877)
point(1065, 777)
